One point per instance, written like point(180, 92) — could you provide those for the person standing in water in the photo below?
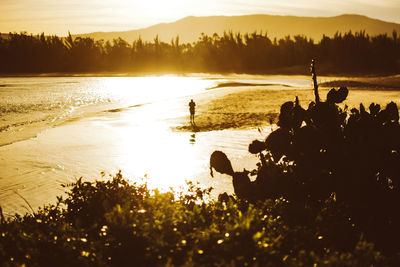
point(192, 106)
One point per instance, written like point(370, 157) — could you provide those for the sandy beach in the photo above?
point(153, 140)
point(244, 107)
point(137, 140)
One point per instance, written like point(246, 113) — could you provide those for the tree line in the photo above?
point(230, 52)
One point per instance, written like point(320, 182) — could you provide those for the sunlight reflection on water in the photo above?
point(159, 153)
point(113, 131)
point(135, 90)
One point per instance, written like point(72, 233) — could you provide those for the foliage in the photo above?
point(247, 53)
point(115, 223)
point(325, 194)
point(326, 152)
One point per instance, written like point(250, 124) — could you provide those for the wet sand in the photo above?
point(244, 107)
point(154, 140)
point(136, 140)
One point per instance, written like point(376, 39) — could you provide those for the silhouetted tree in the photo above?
point(232, 52)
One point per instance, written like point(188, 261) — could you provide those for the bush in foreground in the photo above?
point(330, 153)
point(115, 223)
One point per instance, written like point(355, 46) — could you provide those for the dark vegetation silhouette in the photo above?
point(330, 153)
point(325, 193)
point(119, 223)
point(255, 52)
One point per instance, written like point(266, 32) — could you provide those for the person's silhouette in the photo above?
point(192, 106)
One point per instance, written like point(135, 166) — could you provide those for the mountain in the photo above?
point(189, 29)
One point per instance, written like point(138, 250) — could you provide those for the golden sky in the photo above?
point(82, 16)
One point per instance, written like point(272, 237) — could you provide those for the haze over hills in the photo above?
point(189, 29)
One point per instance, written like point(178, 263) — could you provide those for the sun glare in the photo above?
point(159, 9)
point(165, 158)
point(144, 143)
point(141, 90)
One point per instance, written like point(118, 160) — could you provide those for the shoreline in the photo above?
point(139, 140)
point(245, 107)
point(239, 108)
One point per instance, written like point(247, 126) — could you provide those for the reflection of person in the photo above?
point(192, 110)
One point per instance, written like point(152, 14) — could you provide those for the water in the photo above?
point(54, 130)
point(28, 105)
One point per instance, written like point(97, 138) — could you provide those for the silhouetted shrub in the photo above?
point(325, 153)
point(116, 223)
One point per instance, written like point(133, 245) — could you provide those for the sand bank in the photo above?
point(240, 107)
point(246, 106)
point(138, 140)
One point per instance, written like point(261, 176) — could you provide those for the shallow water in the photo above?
point(55, 130)
point(29, 105)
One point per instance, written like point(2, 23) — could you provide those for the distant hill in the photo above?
point(190, 28)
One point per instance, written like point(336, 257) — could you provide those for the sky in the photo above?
point(84, 16)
